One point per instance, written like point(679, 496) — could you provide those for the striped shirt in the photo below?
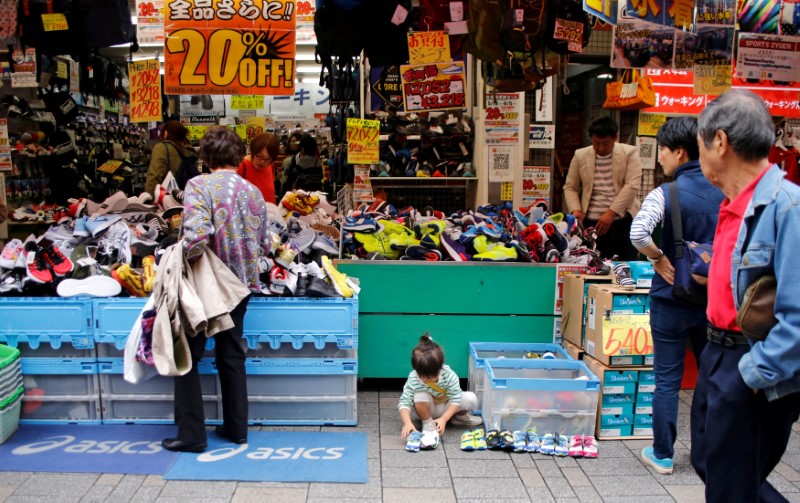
point(448, 381)
point(602, 190)
point(649, 216)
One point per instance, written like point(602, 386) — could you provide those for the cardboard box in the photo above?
point(617, 386)
point(572, 350)
point(574, 305)
point(613, 335)
point(642, 273)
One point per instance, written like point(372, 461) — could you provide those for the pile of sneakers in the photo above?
point(493, 233)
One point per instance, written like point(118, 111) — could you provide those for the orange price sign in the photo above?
point(362, 141)
point(230, 47)
point(428, 47)
point(435, 86)
point(145, 90)
point(627, 334)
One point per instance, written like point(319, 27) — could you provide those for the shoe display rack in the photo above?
point(301, 362)
point(456, 302)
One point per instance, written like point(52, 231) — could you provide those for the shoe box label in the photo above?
point(617, 399)
point(642, 431)
point(646, 388)
point(628, 301)
point(616, 431)
point(617, 410)
point(643, 409)
point(616, 420)
point(615, 376)
point(647, 377)
point(643, 420)
point(644, 398)
point(620, 361)
point(623, 388)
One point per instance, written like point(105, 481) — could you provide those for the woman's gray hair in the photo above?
point(743, 116)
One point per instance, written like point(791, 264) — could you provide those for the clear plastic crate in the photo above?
point(154, 409)
point(299, 378)
point(112, 381)
point(551, 395)
point(480, 351)
point(48, 377)
point(294, 410)
point(9, 419)
point(60, 409)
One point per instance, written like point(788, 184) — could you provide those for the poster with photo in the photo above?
point(719, 12)
point(759, 16)
point(640, 44)
point(711, 45)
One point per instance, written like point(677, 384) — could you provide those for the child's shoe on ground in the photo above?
point(561, 445)
point(589, 447)
point(480, 440)
point(548, 444)
point(429, 440)
point(412, 445)
point(520, 441)
point(493, 439)
point(534, 442)
point(662, 466)
point(576, 446)
point(468, 441)
point(466, 419)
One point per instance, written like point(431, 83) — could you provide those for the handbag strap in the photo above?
point(675, 213)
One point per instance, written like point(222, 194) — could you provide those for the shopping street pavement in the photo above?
point(444, 475)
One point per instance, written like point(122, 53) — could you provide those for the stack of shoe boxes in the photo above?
point(614, 349)
point(301, 362)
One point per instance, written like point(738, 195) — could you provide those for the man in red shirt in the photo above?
point(747, 389)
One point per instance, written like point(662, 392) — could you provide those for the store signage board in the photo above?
point(663, 12)
point(503, 118)
point(362, 188)
point(150, 21)
point(232, 47)
point(436, 86)
point(247, 102)
point(145, 90)
point(385, 87)
point(712, 80)
point(711, 45)
point(561, 271)
point(650, 123)
point(196, 132)
point(542, 136)
point(627, 334)
point(362, 141)
point(305, 21)
point(535, 184)
point(428, 47)
point(675, 94)
point(768, 57)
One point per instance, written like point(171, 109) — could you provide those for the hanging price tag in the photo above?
point(428, 47)
point(362, 141)
point(145, 90)
point(54, 22)
point(571, 31)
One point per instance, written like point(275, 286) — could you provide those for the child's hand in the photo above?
point(440, 425)
point(407, 429)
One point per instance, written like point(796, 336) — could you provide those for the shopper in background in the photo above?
point(747, 397)
point(166, 155)
point(257, 168)
point(305, 172)
point(227, 213)
point(434, 392)
point(292, 149)
point(673, 321)
point(602, 187)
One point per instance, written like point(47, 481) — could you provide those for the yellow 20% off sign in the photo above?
point(362, 141)
point(145, 89)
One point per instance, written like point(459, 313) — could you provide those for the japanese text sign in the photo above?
point(145, 89)
point(150, 21)
point(712, 79)
point(626, 334)
point(428, 47)
point(230, 47)
point(650, 123)
point(362, 141)
point(247, 102)
point(438, 86)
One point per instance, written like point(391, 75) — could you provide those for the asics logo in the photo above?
point(88, 446)
point(268, 453)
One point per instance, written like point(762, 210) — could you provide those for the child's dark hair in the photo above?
point(428, 357)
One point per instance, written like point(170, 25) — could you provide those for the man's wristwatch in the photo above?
point(656, 260)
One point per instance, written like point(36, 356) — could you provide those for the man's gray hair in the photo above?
point(743, 116)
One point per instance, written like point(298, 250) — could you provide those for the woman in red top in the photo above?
point(257, 168)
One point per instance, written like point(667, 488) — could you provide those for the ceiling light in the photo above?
point(607, 76)
point(308, 68)
point(310, 80)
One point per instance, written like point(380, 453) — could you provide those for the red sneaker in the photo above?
point(36, 264)
point(59, 263)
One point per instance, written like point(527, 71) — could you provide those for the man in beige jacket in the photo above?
point(602, 187)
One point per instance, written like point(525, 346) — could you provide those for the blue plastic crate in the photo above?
point(55, 320)
point(60, 391)
point(114, 318)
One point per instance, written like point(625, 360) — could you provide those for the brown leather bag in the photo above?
point(756, 315)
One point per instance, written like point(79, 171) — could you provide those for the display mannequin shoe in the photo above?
point(175, 445)
point(220, 430)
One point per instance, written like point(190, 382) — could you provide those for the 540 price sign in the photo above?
point(145, 89)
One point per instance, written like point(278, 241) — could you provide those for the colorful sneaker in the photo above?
point(480, 439)
point(662, 466)
point(622, 273)
point(493, 439)
point(130, 280)
point(576, 446)
point(80, 230)
point(561, 445)
point(429, 440)
point(60, 265)
point(589, 447)
point(11, 253)
point(286, 254)
point(520, 441)
point(98, 223)
point(338, 280)
point(454, 248)
point(506, 440)
point(148, 273)
point(497, 253)
point(534, 442)
point(468, 441)
point(412, 445)
point(548, 444)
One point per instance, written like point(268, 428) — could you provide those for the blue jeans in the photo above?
point(672, 325)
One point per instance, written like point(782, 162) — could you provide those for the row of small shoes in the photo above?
point(553, 444)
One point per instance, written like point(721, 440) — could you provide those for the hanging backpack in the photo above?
point(336, 25)
point(48, 42)
point(484, 24)
point(386, 42)
point(523, 24)
point(106, 22)
point(564, 19)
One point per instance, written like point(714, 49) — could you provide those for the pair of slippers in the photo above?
point(473, 440)
point(422, 441)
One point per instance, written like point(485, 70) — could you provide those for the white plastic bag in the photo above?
point(135, 371)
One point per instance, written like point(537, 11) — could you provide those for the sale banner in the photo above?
point(650, 123)
point(712, 79)
point(437, 86)
point(362, 141)
point(535, 184)
point(627, 334)
point(145, 90)
point(150, 21)
point(230, 47)
point(428, 47)
point(305, 21)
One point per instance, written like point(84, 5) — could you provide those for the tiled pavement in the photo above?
point(444, 475)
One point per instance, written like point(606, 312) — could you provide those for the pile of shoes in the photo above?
point(493, 233)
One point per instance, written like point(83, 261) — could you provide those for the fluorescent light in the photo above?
point(310, 80)
point(306, 42)
point(308, 68)
point(605, 76)
point(304, 57)
point(161, 71)
point(134, 20)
